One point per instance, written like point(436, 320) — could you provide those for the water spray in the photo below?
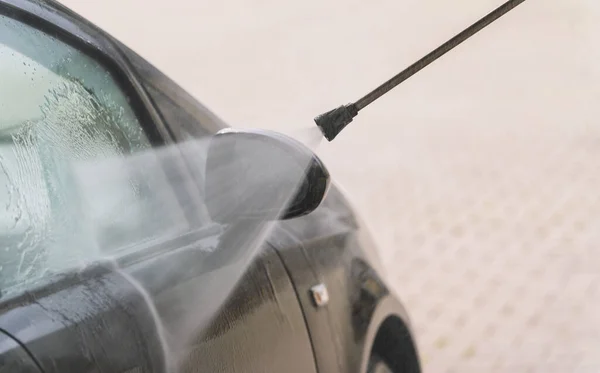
point(332, 122)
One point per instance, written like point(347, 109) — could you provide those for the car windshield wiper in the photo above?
point(334, 121)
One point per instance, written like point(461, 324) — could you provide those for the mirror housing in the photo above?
point(261, 175)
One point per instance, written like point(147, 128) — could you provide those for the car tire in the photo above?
point(378, 365)
point(393, 350)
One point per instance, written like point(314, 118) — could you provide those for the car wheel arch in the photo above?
point(389, 337)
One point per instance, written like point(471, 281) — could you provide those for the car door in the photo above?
point(14, 358)
point(108, 261)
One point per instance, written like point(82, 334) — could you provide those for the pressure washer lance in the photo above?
point(333, 122)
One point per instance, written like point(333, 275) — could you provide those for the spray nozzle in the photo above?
point(334, 121)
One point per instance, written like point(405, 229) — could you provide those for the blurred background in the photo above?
point(478, 178)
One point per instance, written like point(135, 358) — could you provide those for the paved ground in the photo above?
point(479, 177)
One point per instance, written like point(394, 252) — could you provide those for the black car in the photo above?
point(192, 247)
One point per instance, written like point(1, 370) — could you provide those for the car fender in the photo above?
point(331, 247)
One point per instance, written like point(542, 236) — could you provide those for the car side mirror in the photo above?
point(261, 175)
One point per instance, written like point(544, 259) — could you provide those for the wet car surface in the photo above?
point(122, 265)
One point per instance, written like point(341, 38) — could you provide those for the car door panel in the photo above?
point(95, 321)
point(14, 358)
point(260, 327)
point(102, 320)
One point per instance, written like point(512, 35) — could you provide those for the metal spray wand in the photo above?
point(334, 121)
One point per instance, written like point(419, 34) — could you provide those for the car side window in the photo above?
point(63, 115)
